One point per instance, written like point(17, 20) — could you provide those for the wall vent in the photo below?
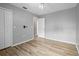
point(24, 7)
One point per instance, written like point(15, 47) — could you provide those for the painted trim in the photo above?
point(22, 42)
point(60, 40)
point(77, 48)
point(42, 36)
point(63, 41)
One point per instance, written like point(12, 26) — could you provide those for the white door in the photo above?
point(1, 29)
point(35, 25)
point(8, 28)
point(41, 27)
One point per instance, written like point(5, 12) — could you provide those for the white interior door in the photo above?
point(41, 27)
point(35, 25)
point(1, 29)
point(8, 28)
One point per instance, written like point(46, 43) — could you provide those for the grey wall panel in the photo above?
point(77, 27)
point(61, 26)
point(20, 18)
point(1, 29)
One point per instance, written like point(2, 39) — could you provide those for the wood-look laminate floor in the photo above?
point(41, 47)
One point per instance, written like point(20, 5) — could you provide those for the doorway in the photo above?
point(41, 27)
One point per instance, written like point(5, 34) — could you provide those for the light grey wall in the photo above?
point(61, 26)
point(77, 27)
point(1, 29)
point(20, 18)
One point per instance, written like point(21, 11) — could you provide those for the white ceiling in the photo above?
point(49, 7)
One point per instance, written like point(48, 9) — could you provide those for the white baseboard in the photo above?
point(77, 48)
point(41, 36)
point(62, 41)
point(22, 42)
point(59, 40)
